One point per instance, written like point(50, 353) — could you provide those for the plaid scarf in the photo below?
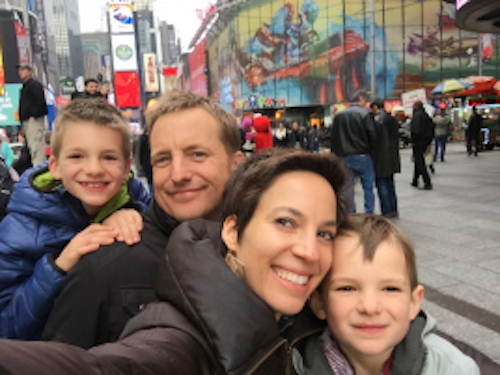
point(337, 359)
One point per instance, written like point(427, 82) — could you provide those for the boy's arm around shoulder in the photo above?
point(27, 285)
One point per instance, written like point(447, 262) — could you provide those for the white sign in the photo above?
point(151, 83)
point(121, 18)
point(410, 97)
point(124, 53)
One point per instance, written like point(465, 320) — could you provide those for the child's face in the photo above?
point(368, 304)
point(91, 164)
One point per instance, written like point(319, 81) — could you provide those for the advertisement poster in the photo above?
point(124, 53)
point(121, 18)
point(198, 68)
point(23, 44)
point(320, 52)
point(151, 83)
point(9, 104)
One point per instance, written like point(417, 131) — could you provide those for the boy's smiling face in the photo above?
point(369, 304)
point(90, 164)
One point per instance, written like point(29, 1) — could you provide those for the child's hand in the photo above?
point(128, 223)
point(87, 241)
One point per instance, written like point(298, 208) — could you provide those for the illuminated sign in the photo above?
point(121, 18)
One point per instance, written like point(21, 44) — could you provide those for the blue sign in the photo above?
point(9, 104)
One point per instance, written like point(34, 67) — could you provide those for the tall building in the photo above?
point(143, 4)
point(95, 47)
point(67, 38)
point(169, 45)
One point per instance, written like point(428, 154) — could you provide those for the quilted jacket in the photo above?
point(42, 218)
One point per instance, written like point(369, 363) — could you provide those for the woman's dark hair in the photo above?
point(257, 173)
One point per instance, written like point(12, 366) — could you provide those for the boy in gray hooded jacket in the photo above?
point(371, 300)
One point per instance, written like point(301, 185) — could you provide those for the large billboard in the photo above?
point(121, 18)
point(319, 52)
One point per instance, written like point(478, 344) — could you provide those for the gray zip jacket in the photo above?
point(421, 352)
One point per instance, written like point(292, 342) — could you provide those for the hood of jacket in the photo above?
point(193, 276)
point(39, 195)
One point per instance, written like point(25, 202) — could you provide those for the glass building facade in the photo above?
point(273, 53)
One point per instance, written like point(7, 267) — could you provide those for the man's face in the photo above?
point(91, 87)
point(375, 110)
point(190, 163)
point(24, 74)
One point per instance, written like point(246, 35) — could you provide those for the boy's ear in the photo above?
point(417, 297)
point(229, 233)
point(54, 167)
point(317, 305)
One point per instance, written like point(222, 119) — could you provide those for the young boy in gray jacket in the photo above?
point(371, 300)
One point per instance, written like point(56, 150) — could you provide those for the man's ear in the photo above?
point(128, 164)
point(317, 305)
point(238, 158)
point(54, 167)
point(417, 297)
point(229, 233)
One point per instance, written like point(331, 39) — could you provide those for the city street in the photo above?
point(456, 232)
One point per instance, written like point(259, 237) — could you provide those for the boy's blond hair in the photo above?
point(176, 100)
point(97, 111)
point(372, 230)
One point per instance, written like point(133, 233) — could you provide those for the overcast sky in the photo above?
point(182, 13)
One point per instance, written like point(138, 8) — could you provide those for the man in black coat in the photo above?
point(473, 132)
point(386, 158)
point(32, 111)
point(354, 140)
point(422, 134)
point(195, 146)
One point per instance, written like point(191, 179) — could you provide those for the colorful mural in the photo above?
point(277, 53)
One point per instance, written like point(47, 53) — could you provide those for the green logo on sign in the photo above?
point(123, 52)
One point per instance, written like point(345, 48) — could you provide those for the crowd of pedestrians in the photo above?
point(228, 268)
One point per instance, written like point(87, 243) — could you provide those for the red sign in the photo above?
point(169, 71)
point(127, 89)
point(197, 66)
point(23, 44)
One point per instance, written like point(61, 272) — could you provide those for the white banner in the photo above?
point(410, 97)
point(151, 83)
point(124, 53)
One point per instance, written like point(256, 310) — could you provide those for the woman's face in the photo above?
point(286, 248)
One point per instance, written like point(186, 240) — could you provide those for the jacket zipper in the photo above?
point(288, 352)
